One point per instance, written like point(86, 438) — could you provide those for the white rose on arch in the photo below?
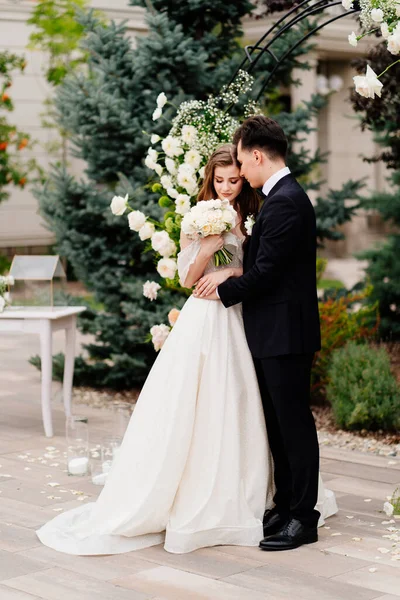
point(136, 220)
point(162, 243)
point(167, 268)
point(182, 204)
point(150, 290)
point(368, 85)
point(146, 231)
point(119, 205)
point(161, 100)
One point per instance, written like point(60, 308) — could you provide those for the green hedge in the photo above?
point(362, 390)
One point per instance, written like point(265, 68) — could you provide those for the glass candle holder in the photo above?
point(121, 416)
point(77, 434)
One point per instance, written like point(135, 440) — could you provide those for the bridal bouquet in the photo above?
point(5, 282)
point(376, 16)
point(210, 217)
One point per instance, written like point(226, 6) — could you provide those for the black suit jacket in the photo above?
point(278, 286)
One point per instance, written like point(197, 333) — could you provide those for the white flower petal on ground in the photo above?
point(136, 220)
point(118, 205)
point(146, 231)
point(167, 268)
point(368, 85)
point(157, 114)
point(150, 289)
point(353, 41)
point(161, 100)
point(347, 4)
point(388, 508)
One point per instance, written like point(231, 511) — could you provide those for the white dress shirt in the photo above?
point(273, 180)
point(268, 185)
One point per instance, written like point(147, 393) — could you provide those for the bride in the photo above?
point(194, 468)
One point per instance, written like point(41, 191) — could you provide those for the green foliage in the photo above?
point(14, 170)
point(321, 266)
point(58, 33)
point(343, 317)
point(362, 390)
point(5, 264)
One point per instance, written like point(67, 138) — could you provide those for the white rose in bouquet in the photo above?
point(159, 334)
point(211, 217)
point(119, 205)
point(146, 231)
point(377, 15)
point(150, 289)
point(136, 220)
point(167, 268)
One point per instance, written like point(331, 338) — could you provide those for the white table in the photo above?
point(44, 320)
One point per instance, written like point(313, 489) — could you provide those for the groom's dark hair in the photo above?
point(262, 133)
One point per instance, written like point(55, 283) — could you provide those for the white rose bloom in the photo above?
point(201, 172)
point(347, 4)
point(2, 304)
point(157, 114)
point(119, 205)
point(182, 204)
point(167, 268)
point(159, 334)
point(353, 39)
point(155, 138)
point(9, 280)
point(153, 154)
point(394, 41)
point(187, 182)
point(186, 169)
point(162, 243)
point(170, 165)
point(158, 169)
point(189, 134)
point(146, 231)
point(385, 30)
point(172, 193)
point(377, 15)
point(166, 182)
point(136, 220)
point(150, 289)
point(388, 508)
point(161, 100)
point(193, 158)
point(368, 85)
point(150, 164)
point(171, 146)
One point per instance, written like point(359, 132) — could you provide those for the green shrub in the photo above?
point(362, 390)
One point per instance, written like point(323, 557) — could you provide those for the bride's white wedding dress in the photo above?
point(194, 468)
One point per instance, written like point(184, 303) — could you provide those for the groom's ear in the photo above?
point(258, 157)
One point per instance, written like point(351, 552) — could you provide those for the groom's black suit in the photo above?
point(280, 312)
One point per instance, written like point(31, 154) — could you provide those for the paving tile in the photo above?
point(360, 471)
point(12, 565)
point(7, 593)
point(172, 584)
point(385, 579)
point(16, 539)
point(365, 549)
point(211, 562)
point(98, 567)
point(60, 584)
point(274, 580)
point(361, 487)
point(362, 458)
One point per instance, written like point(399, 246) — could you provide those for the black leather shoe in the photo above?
point(273, 521)
point(292, 535)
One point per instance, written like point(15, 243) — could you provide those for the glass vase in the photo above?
point(77, 434)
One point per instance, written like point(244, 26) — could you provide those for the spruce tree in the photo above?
point(191, 49)
point(382, 117)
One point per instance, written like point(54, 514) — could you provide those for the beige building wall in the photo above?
point(337, 131)
point(21, 227)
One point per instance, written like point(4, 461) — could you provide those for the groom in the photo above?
point(280, 312)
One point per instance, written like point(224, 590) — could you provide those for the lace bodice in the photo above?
point(188, 256)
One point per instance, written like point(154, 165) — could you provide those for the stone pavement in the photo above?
point(352, 559)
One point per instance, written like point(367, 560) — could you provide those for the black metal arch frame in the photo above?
point(304, 10)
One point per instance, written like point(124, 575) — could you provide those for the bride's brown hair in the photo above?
point(247, 202)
